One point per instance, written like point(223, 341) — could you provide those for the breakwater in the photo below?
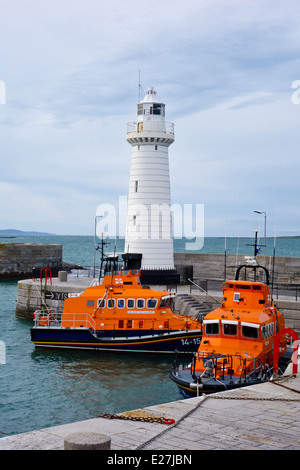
point(18, 260)
point(218, 266)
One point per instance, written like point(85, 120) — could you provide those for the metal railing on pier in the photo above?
point(278, 289)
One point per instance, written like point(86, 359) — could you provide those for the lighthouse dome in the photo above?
point(150, 96)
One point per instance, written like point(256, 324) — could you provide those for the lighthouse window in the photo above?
point(140, 108)
point(136, 186)
point(157, 109)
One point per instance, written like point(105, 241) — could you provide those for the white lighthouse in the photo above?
point(149, 238)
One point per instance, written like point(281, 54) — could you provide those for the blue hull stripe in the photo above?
point(83, 339)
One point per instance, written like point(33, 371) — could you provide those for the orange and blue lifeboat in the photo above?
point(237, 347)
point(118, 315)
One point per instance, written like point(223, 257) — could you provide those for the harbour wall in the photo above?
point(215, 266)
point(33, 294)
point(17, 260)
point(204, 268)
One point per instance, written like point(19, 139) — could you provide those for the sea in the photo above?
point(43, 388)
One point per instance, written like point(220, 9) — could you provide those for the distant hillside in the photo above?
point(15, 233)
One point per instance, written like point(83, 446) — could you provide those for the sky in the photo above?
point(227, 70)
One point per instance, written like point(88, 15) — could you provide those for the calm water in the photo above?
point(40, 388)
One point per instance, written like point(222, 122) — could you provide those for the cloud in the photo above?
point(224, 70)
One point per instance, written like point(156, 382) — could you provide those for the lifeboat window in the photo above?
point(140, 303)
point(151, 303)
point(121, 303)
point(236, 297)
point(256, 287)
point(212, 328)
point(267, 330)
point(130, 303)
point(101, 303)
point(90, 303)
point(111, 303)
point(250, 331)
point(229, 329)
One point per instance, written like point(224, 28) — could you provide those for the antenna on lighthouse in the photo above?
point(141, 92)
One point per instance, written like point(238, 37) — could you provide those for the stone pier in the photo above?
point(17, 260)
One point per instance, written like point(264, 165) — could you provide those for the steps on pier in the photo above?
point(187, 304)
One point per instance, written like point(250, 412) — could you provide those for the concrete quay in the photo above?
point(258, 417)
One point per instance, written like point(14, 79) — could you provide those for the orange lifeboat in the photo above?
point(118, 315)
point(237, 347)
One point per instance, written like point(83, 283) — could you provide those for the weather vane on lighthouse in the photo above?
point(149, 238)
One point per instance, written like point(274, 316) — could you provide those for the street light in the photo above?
point(265, 232)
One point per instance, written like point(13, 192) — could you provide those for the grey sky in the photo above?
point(225, 71)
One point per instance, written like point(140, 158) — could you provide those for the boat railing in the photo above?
point(219, 365)
point(204, 290)
point(53, 318)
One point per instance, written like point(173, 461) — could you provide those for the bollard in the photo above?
point(87, 441)
point(62, 276)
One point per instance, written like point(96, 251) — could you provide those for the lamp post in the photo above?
point(265, 233)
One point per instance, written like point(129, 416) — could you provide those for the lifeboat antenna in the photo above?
point(273, 264)
point(103, 243)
